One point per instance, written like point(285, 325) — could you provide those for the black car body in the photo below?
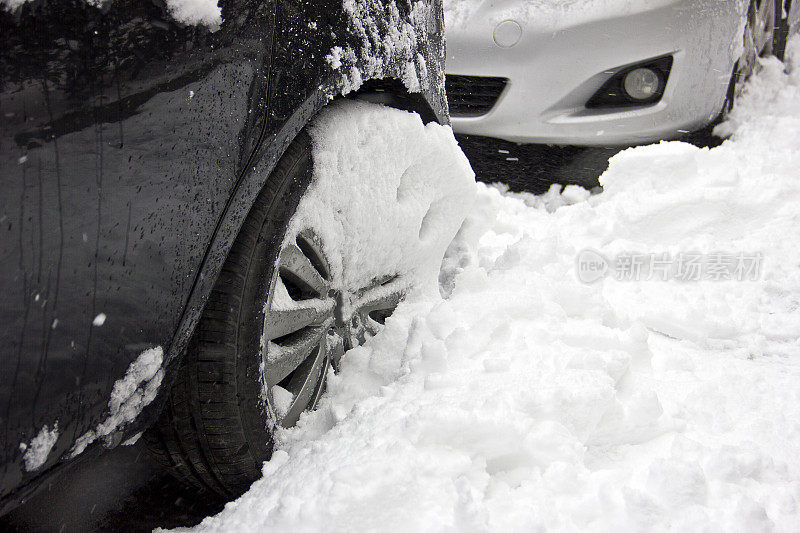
point(132, 148)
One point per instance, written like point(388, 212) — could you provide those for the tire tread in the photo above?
point(205, 434)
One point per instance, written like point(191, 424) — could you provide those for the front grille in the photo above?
point(472, 96)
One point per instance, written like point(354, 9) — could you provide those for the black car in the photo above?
point(149, 168)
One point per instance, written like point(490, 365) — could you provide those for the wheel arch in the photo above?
point(300, 83)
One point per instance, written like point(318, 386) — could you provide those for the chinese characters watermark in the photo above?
point(684, 266)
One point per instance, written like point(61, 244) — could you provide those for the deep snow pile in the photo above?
point(528, 400)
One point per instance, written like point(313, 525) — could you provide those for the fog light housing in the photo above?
point(641, 84)
point(636, 85)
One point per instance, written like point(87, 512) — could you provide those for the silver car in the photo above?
point(603, 72)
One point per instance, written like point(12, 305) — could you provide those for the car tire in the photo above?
point(781, 28)
point(746, 65)
point(217, 426)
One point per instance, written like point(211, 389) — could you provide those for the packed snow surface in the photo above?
point(526, 400)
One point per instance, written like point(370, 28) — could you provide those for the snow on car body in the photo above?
point(552, 60)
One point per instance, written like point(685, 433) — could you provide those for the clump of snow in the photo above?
point(37, 451)
point(387, 38)
point(130, 394)
point(99, 320)
point(335, 57)
point(281, 400)
point(196, 12)
point(132, 440)
point(389, 207)
point(530, 401)
point(191, 12)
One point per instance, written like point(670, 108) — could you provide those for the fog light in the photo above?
point(641, 84)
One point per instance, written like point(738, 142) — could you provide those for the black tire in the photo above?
point(214, 432)
point(776, 46)
point(781, 29)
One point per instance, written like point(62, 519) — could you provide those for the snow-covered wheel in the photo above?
point(309, 276)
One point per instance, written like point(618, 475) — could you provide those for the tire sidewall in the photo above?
point(272, 214)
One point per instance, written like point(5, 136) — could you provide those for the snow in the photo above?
point(386, 39)
point(383, 211)
point(281, 401)
point(130, 394)
point(38, 449)
point(99, 320)
point(524, 399)
point(191, 12)
point(133, 440)
point(196, 12)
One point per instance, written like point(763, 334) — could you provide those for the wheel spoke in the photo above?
point(371, 325)
point(763, 26)
point(765, 11)
point(320, 388)
point(282, 321)
point(371, 307)
point(282, 359)
point(304, 386)
point(384, 297)
point(768, 29)
point(294, 261)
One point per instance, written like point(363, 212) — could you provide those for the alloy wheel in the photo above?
point(309, 322)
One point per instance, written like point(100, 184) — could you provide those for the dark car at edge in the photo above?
point(137, 154)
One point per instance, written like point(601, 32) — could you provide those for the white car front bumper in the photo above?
point(562, 58)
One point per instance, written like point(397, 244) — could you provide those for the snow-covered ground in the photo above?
point(663, 395)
